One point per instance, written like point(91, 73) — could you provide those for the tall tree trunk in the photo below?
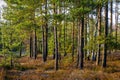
point(85, 37)
point(104, 64)
point(116, 29)
point(99, 34)
point(111, 17)
point(34, 35)
point(73, 27)
point(43, 44)
point(31, 46)
point(46, 33)
point(78, 41)
point(46, 41)
point(88, 37)
point(56, 48)
point(59, 33)
point(56, 39)
point(81, 53)
point(111, 21)
point(64, 32)
point(34, 44)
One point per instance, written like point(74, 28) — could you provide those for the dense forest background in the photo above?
point(59, 34)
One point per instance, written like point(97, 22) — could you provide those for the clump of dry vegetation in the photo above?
point(2, 73)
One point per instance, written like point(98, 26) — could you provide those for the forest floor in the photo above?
point(30, 69)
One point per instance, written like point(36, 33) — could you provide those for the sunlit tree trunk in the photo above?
point(56, 48)
point(56, 39)
point(99, 34)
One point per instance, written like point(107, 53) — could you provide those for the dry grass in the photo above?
point(30, 69)
point(2, 73)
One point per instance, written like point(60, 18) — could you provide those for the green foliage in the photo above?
point(51, 45)
point(112, 44)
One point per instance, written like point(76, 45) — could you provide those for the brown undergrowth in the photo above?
point(30, 69)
